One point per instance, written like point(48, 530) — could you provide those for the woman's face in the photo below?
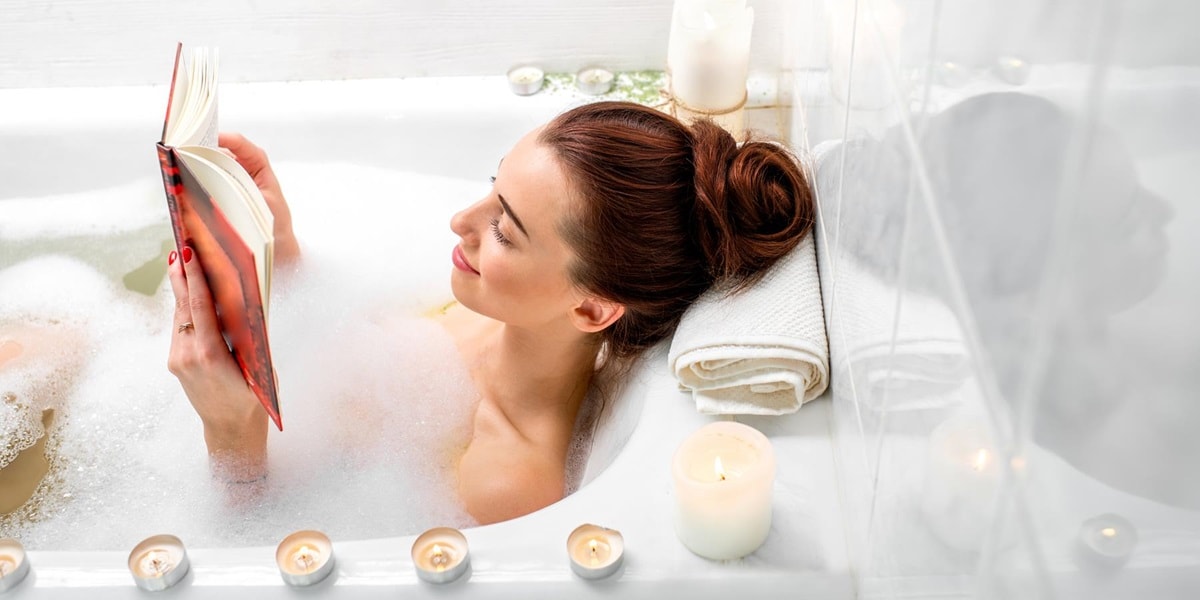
point(511, 263)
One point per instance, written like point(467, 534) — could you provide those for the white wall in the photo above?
point(1026, 261)
point(130, 42)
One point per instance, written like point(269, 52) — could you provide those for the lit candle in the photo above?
point(961, 482)
point(158, 562)
point(594, 81)
point(304, 557)
point(596, 552)
point(1012, 70)
point(13, 564)
point(1106, 541)
point(723, 477)
point(525, 80)
point(440, 555)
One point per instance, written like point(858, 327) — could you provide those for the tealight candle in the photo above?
point(594, 81)
point(525, 80)
point(962, 479)
point(596, 552)
point(158, 562)
point(1106, 541)
point(1012, 70)
point(723, 477)
point(13, 564)
point(304, 557)
point(440, 555)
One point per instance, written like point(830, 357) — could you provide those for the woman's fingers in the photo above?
point(254, 160)
point(200, 302)
point(179, 286)
point(251, 157)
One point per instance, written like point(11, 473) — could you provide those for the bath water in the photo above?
point(376, 405)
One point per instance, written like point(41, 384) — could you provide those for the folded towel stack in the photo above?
point(762, 350)
point(907, 360)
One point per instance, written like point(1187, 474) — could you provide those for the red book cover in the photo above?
point(229, 269)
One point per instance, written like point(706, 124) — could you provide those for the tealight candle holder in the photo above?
point(723, 478)
point(596, 552)
point(525, 80)
point(594, 81)
point(1012, 70)
point(14, 566)
point(1106, 541)
point(440, 555)
point(158, 562)
point(304, 558)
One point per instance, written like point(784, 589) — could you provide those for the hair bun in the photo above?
point(753, 204)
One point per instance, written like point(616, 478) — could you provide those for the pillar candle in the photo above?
point(723, 478)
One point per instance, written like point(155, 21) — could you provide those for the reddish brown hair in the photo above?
point(667, 210)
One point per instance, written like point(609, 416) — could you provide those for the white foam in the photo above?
point(110, 211)
point(375, 409)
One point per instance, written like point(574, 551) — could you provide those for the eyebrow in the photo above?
point(512, 215)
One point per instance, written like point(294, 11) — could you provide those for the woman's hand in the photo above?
point(254, 160)
point(235, 424)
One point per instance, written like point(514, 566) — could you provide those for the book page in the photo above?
point(179, 87)
point(235, 202)
point(193, 113)
point(208, 119)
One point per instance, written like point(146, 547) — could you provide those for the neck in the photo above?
point(529, 373)
point(538, 370)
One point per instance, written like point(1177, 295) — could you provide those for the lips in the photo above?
point(460, 260)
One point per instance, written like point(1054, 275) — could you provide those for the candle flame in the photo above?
point(438, 558)
point(1108, 532)
point(305, 557)
point(156, 562)
point(719, 469)
point(981, 460)
point(5, 567)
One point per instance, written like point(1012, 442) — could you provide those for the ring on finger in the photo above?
point(186, 326)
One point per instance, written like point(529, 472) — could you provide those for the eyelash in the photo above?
point(499, 236)
point(495, 223)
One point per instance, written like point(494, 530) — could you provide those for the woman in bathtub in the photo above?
point(600, 229)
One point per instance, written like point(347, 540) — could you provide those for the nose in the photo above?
point(465, 223)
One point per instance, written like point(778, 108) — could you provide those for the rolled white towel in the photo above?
point(761, 351)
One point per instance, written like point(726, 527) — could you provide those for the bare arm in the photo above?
point(235, 424)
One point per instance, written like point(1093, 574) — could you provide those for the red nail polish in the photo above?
point(187, 254)
point(171, 257)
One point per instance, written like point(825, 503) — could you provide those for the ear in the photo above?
point(595, 314)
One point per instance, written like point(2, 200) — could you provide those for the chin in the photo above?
point(463, 296)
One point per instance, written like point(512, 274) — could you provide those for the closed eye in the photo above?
point(504, 241)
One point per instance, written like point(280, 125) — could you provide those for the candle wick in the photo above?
point(439, 558)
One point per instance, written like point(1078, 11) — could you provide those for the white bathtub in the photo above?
point(455, 127)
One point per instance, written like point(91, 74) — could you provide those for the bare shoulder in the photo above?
point(502, 475)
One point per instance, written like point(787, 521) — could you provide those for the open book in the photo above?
point(219, 212)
